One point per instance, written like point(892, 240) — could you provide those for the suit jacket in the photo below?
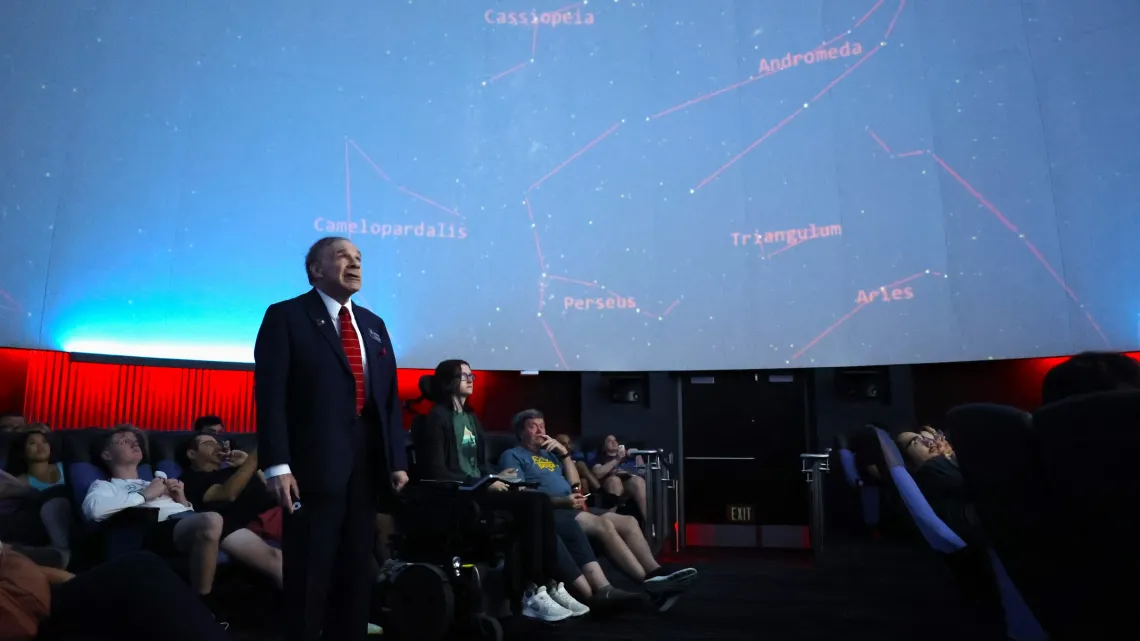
point(437, 451)
point(306, 397)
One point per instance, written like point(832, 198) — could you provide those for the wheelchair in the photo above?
point(455, 566)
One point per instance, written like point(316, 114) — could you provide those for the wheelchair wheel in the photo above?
point(423, 603)
point(489, 628)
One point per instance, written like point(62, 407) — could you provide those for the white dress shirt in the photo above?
point(333, 308)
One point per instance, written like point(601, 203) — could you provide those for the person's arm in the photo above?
point(396, 436)
point(602, 470)
point(104, 500)
point(569, 469)
point(270, 389)
point(431, 452)
point(12, 488)
point(229, 491)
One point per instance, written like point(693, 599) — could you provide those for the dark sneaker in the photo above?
point(668, 579)
point(611, 598)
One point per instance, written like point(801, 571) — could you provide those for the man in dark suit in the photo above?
point(328, 425)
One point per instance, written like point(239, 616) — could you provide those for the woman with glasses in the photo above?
point(451, 446)
point(932, 465)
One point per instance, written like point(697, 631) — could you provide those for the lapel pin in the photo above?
point(320, 322)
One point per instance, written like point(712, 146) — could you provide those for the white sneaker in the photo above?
point(560, 596)
point(539, 605)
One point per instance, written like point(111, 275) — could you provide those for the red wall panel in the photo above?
point(68, 394)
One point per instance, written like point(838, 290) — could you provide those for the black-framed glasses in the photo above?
point(467, 378)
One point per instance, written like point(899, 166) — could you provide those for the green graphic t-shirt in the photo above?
point(468, 447)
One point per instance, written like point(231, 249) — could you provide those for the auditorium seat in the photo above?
point(122, 533)
point(166, 450)
point(1020, 622)
point(995, 451)
point(499, 442)
point(865, 495)
point(1087, 447)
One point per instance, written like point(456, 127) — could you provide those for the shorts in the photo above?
point(160, 539)
point(572, 536)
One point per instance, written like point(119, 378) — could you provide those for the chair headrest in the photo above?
point(497, 443)
point(891, 453)
point(425, 385)
point(168, 446)
point(983, 427)
point(1100, 415)
point(841, 442)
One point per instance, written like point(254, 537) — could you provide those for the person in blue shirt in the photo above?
point(543, 460)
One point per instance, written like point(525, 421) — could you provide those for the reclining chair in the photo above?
point(1020, 623)
point(1087, 448)
point(124, 532)
point(864, 494)
point(994, 447)
point(458, 561)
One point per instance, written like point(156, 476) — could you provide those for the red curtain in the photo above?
point(52, 388)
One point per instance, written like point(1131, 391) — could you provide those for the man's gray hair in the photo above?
point(313, 256)
point(518, 423)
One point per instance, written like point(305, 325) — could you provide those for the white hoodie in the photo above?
point(104, 499)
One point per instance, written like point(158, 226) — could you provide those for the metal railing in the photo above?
point(661, 498)
point(814, 467)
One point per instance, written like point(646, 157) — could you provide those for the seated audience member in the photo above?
point(46, 604)
point(12, 422)
point(250, 512)
point(620, 474)
point(543, 460)
point(1090, 372)
point(179, 530)
point(209, 425)
point(587, 477)
point(45, 506)
point(452, 447)
point(938, 476)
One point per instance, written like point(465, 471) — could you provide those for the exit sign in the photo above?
point(740, 514)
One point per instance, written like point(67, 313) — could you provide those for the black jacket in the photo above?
point(944, 487)
point(437, 452)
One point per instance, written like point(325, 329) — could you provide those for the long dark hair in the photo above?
point(17, 452)
point(445, 382)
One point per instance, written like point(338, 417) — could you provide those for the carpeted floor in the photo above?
point(857, 591)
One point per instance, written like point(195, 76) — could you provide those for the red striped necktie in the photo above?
point(351, 345)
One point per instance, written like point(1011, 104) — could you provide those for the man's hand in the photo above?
point(177, 491)
point(284, 489)
point(399, 480)
point(554, 447)
point(236, 458)
point(497, 486)
point(154, 489)
point(578, 501)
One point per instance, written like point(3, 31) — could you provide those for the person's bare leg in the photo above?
point(635, 487)
point(198, 537)
point(249, 549)
point(593, 575)
point(603, 530)
point(630, 533)
point(580, 588)
point(56, 516)
point(612, 484)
